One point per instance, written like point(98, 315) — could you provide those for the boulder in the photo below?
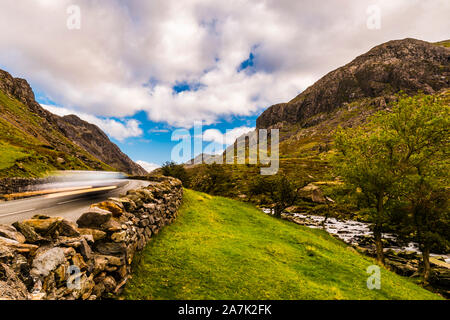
point(17, 247)
point(119, 236)
point(85, 249)
point(47, 261)
point(42, 224)
point(96, 234)
point(110, 284)
point(112, 225)
point(115, 208)
point(110, 248)
point(94, 219)
point(78, 260)
point(67, 228)
point(11, 233)
point(28, 232)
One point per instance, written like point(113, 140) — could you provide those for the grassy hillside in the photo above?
point(445, 43)
point(305, 154)
point(220, 248)
point(27, 143)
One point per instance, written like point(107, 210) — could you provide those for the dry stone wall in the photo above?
point(14, 185)
point(52, 258)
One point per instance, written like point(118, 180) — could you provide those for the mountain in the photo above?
point(97, 143)
point(344, 97)
point(409, 65)
point(202, 158)
point(34, 141)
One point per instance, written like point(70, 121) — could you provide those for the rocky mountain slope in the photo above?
point(34, 141)
point(409, 65)
point(97, 143)
point(345, 97)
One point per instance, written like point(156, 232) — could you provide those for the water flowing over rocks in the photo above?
point(402, 258)
point(48, 258)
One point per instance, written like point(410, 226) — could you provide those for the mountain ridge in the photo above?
point(408, 65)
point(49, 141)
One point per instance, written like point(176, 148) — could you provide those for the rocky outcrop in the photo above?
point(52, 258)
point(68, 134)
point(410, 65)
point(97, 143)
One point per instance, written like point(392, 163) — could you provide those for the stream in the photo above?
point(357, 233)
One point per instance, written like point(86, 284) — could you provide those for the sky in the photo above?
point(142, 69)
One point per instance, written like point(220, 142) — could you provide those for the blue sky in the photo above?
point(155, 143)
point(141, 69)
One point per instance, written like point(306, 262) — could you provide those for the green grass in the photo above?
point(220, 248)
point(445, 43)
point(10, 154)
point(26, 141)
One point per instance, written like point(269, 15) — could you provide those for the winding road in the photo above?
point(70, 205)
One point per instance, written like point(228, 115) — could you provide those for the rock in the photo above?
point(47, 261)
point(96, 234)
point(110, 284)
point(439, 263)
point(115, 208)
point(11, 287)
point(28, 232)
point(100, 263)
point(119, 236)
point(42, 224)
point(317, 196)
point(16, 246)
point(87, 285)
point(6, 253)
point(94, 219)
point(67, 228)
point(409, 65)
point(78, 260)
point(112, 225)
point(11, 233)
point(110, 248)
point(85, 249)
point(61, 273)
point(38, 296)
point(89, 238)
point(98, 289)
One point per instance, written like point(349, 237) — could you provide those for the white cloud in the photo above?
point(129, 54)
point(115, 129)
point(149, 167)
point(227, 138)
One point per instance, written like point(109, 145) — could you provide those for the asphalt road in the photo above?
point(66, 204)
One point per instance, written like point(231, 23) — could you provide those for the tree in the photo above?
point(420, 128)
point(390, 160)
point(212, 179)
point(279, 189)
point(171, 169)
point(365, 163)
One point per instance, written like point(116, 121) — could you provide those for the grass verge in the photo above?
point(220, 248)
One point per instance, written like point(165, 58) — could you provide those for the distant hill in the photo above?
point(34, 141)
point(202, 158)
